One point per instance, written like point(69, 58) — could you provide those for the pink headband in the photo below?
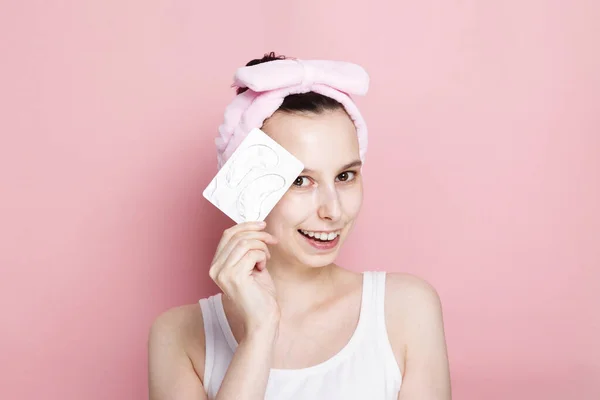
point(270, 82)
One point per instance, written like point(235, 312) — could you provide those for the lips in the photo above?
point(320, 244)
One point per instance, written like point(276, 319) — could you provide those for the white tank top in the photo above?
point(365, 368)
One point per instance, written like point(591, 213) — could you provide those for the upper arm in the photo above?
point(171, 373)
point(426, 369)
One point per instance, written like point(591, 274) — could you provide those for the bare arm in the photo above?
point(248, 373)
point(426, 372)
point(171, 374)
point(239, 269)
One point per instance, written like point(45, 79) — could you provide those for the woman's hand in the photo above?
point(239, 269)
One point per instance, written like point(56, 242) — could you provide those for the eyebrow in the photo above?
point(353, 164)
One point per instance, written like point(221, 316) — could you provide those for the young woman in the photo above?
point(290, 323)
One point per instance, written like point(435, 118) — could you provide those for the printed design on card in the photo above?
point(250, 159)
point(251, 199)
point(254, 179)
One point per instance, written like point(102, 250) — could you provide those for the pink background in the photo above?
point(483, 177)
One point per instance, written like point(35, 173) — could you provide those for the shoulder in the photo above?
point(407, 290)
point(415, 326)
point(177, 323)
point(413, 310)
point(178, 333)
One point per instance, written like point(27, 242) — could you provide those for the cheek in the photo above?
point(291, 210)
point(352, 201)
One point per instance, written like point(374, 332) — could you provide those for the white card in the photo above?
point(253, 179)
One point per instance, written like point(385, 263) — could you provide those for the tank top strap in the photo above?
point(378, 328)
point(374, 292)
point(379, 293)
point(376, 303)
point(368, 295)
point(208, 317)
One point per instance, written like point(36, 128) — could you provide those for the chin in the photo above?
point(316, 261)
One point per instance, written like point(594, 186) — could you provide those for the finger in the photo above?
point(261, 265)
point(252, 259)
point(229, 233)
point(233, 243)
point(242, 249)
point(228, 244)
point(233, 274)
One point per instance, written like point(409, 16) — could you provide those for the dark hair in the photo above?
point(301, 102)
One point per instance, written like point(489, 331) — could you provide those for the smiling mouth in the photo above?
point(323, 237)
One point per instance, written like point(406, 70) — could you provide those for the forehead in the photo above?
point(320, 140)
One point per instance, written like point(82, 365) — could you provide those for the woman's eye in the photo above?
point(301, 181)
point(346, 176)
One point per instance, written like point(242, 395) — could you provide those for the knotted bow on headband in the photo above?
point(270, 82)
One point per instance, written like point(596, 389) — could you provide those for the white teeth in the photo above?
point(321, 235)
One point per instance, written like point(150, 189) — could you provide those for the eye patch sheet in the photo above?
point(253, 179)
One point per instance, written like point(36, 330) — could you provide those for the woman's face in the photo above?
point(314, 217)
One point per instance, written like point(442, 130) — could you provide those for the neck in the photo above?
point(299, 287)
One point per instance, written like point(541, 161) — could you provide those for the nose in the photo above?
point(329, 204)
